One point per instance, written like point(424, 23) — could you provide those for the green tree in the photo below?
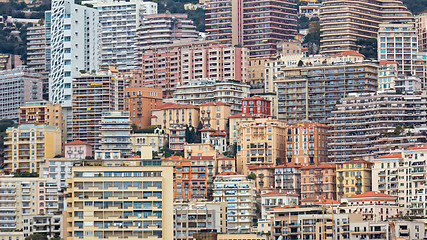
point(252, 176)
point(190, 134)
point(36, 236)
point(368, 47)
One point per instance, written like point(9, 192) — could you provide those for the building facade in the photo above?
point(94, 94)
point(333, 14)
point(421, 27)
point(398, 42)
point(168, 66)
point(200, 91)
point(306, 143)
point(141, 206)
point(384, 112)
point(18, 86)
point(137, 100)
point(163, 29)
point(78, 150)
point(115, 135)
point(119, 23)
point(215, 115)
point(353, 178)
point(261, 142)
point(288, 177)
point(319, 181)
point(311, 92)
point(190, 182)
point(257, 106)
point(26, 146)
point(73, 47)
point(238, 192)
point(175, 114)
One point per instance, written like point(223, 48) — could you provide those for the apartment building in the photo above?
point(177, 137)
point(73, 37)
point(170, 114)
point(275, 199)
point(257, 106)
point(266, 23)
point(10, 61)
point(115, 128)
point(238, 192)
point(18, 86)
point(385, 173)
point(78, 150)
point(400, 228)
point(346, 17)
point(306, 143)
point(384, 111)
point(311, 92)
point(137, 100)
point(421, 27)
point(36, 54)
point(232, 22)
point(94, 94)
point(311, 10)
point(215, 115)
point(234, 121)
point(200, 91)
point(310, 223)
point(411, 196)
point(119, 23)
point(398, 42)
point(122, 199)
point(288, 177)
point(264, 176)
point(261, 142)
point(163, 29)
point(36, 48)
point(24, 197)
point(26, 147)
point(225, 164)
point(224, 21)
point(374, 206)
point(319, 181)
point(168, 66)
point(387, 75)
point(59, 170)
point(192, 217)
point(156, 141)
point(190, 181)
point(47, 225)
point(354, 177)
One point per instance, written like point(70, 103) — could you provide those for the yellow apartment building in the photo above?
point(26, 146)
point(42, 113)
point(215, 115)
point(234, 121)
point(171, 114)
point(353, 177)
point(199, 149)
point(260, 142)
point(120, 199)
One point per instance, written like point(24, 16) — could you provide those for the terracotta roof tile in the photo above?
point(351, 53)
point(77, 142)
point(202, 158)
point(288, 165)
point(417, 147)
point(214, 104)
point(391, 155)
point(134, 157)
point(371, 194)
point(383, 62)
point(218, 134)
point(208, 129)
point(256, 98)
point(227, 174)
point(317, 200)
point(251, 167)
point(177, 106)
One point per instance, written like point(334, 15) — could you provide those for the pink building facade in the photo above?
point(78, 149)
point(168, 65)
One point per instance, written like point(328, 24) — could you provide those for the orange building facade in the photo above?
point(189, 181)
point(139, 101)
point(306, 143)
point(319, 181)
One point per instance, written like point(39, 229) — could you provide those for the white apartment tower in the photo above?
point(119, 21)
point(74, 47)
